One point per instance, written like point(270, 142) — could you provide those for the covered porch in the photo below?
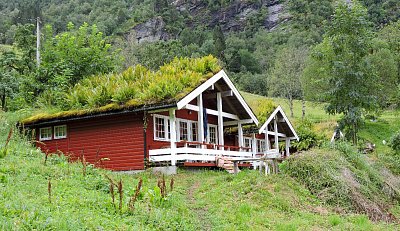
point(217, 99)
point(218, 105)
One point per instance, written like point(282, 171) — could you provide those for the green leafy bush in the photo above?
point(308, 138)
point(395, 142)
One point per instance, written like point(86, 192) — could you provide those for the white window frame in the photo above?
point(166, 127)
point(55, 133)
point(45, 138)
point(250, 146)
point(260, 146)
point(189, 129)
point(208, 133)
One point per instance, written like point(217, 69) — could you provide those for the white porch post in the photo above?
point(220, 121)
point(287, 145)
point(276, 134)
point(172, 122)
point(200, 118)
point(240, 135)
point(254, 144)
point(267, 141)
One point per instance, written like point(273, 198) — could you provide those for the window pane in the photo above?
point(194, 131)
point(160, 128)
point(183, 130)
point(212, 134)
point(60, 132)
point(46, 133)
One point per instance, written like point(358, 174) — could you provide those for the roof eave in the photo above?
point(96, 115)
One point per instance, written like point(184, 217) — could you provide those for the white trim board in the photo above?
point(210, 82)
point(272, 116)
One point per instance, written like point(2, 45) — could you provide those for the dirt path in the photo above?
point(200, 212)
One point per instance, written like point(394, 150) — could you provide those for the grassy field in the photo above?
point(205, 200)
point(200, 200)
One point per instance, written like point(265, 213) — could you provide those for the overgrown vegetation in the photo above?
point(136, 86)
point(198, 200)
point(395, 142)
point(250, 51)
point(341, 176)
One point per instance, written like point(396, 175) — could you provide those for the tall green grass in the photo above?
point(341, 176)
point(204, 200)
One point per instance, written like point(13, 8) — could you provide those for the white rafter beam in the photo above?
point(214, 95)
point(235, 122)
point(212, 112)
point(273, 133)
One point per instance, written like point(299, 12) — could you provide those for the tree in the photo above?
point(25, 41)
point(76, 54)
point(391, 34)
point(385, 67)
point(219, 43)
point(285, 75)
point(8, 77)
point(341, 61)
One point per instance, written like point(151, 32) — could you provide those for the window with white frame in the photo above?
point(161, 127)
point(183, 130)
point(247, 143)
point(260, 146)
point(45, 133)
point(60, 132)
point(194, 131)
point(186, 130)
point(212, 134)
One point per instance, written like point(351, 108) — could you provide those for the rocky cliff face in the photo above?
point(150, 31)
point(231, 18)
point(234, 16)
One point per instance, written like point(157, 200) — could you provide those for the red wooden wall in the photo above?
point(119, 138)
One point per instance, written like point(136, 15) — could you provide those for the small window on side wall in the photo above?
point(60, 132)
point(45, 133)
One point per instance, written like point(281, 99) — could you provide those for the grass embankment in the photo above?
point(342, 177)
point(206, 200)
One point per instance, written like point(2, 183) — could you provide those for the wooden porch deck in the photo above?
point(203, 154)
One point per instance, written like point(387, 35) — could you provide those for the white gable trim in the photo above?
point(278, 109)
point(192, 95)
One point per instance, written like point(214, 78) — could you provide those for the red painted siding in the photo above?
point(118, 138)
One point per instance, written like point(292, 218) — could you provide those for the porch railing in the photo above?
point(197, 151)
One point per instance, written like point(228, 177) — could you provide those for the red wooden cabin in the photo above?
point(206, 123)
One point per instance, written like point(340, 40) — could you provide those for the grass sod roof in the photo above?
point(135, 88)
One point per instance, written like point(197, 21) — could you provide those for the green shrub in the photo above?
point(395, 142)
point(308, 138)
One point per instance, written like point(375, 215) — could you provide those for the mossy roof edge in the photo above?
point(109, 108)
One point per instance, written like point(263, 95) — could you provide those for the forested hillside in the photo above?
point(310, 50)
point(248, 36)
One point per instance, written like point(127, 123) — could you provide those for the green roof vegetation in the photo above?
point(135, 87)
